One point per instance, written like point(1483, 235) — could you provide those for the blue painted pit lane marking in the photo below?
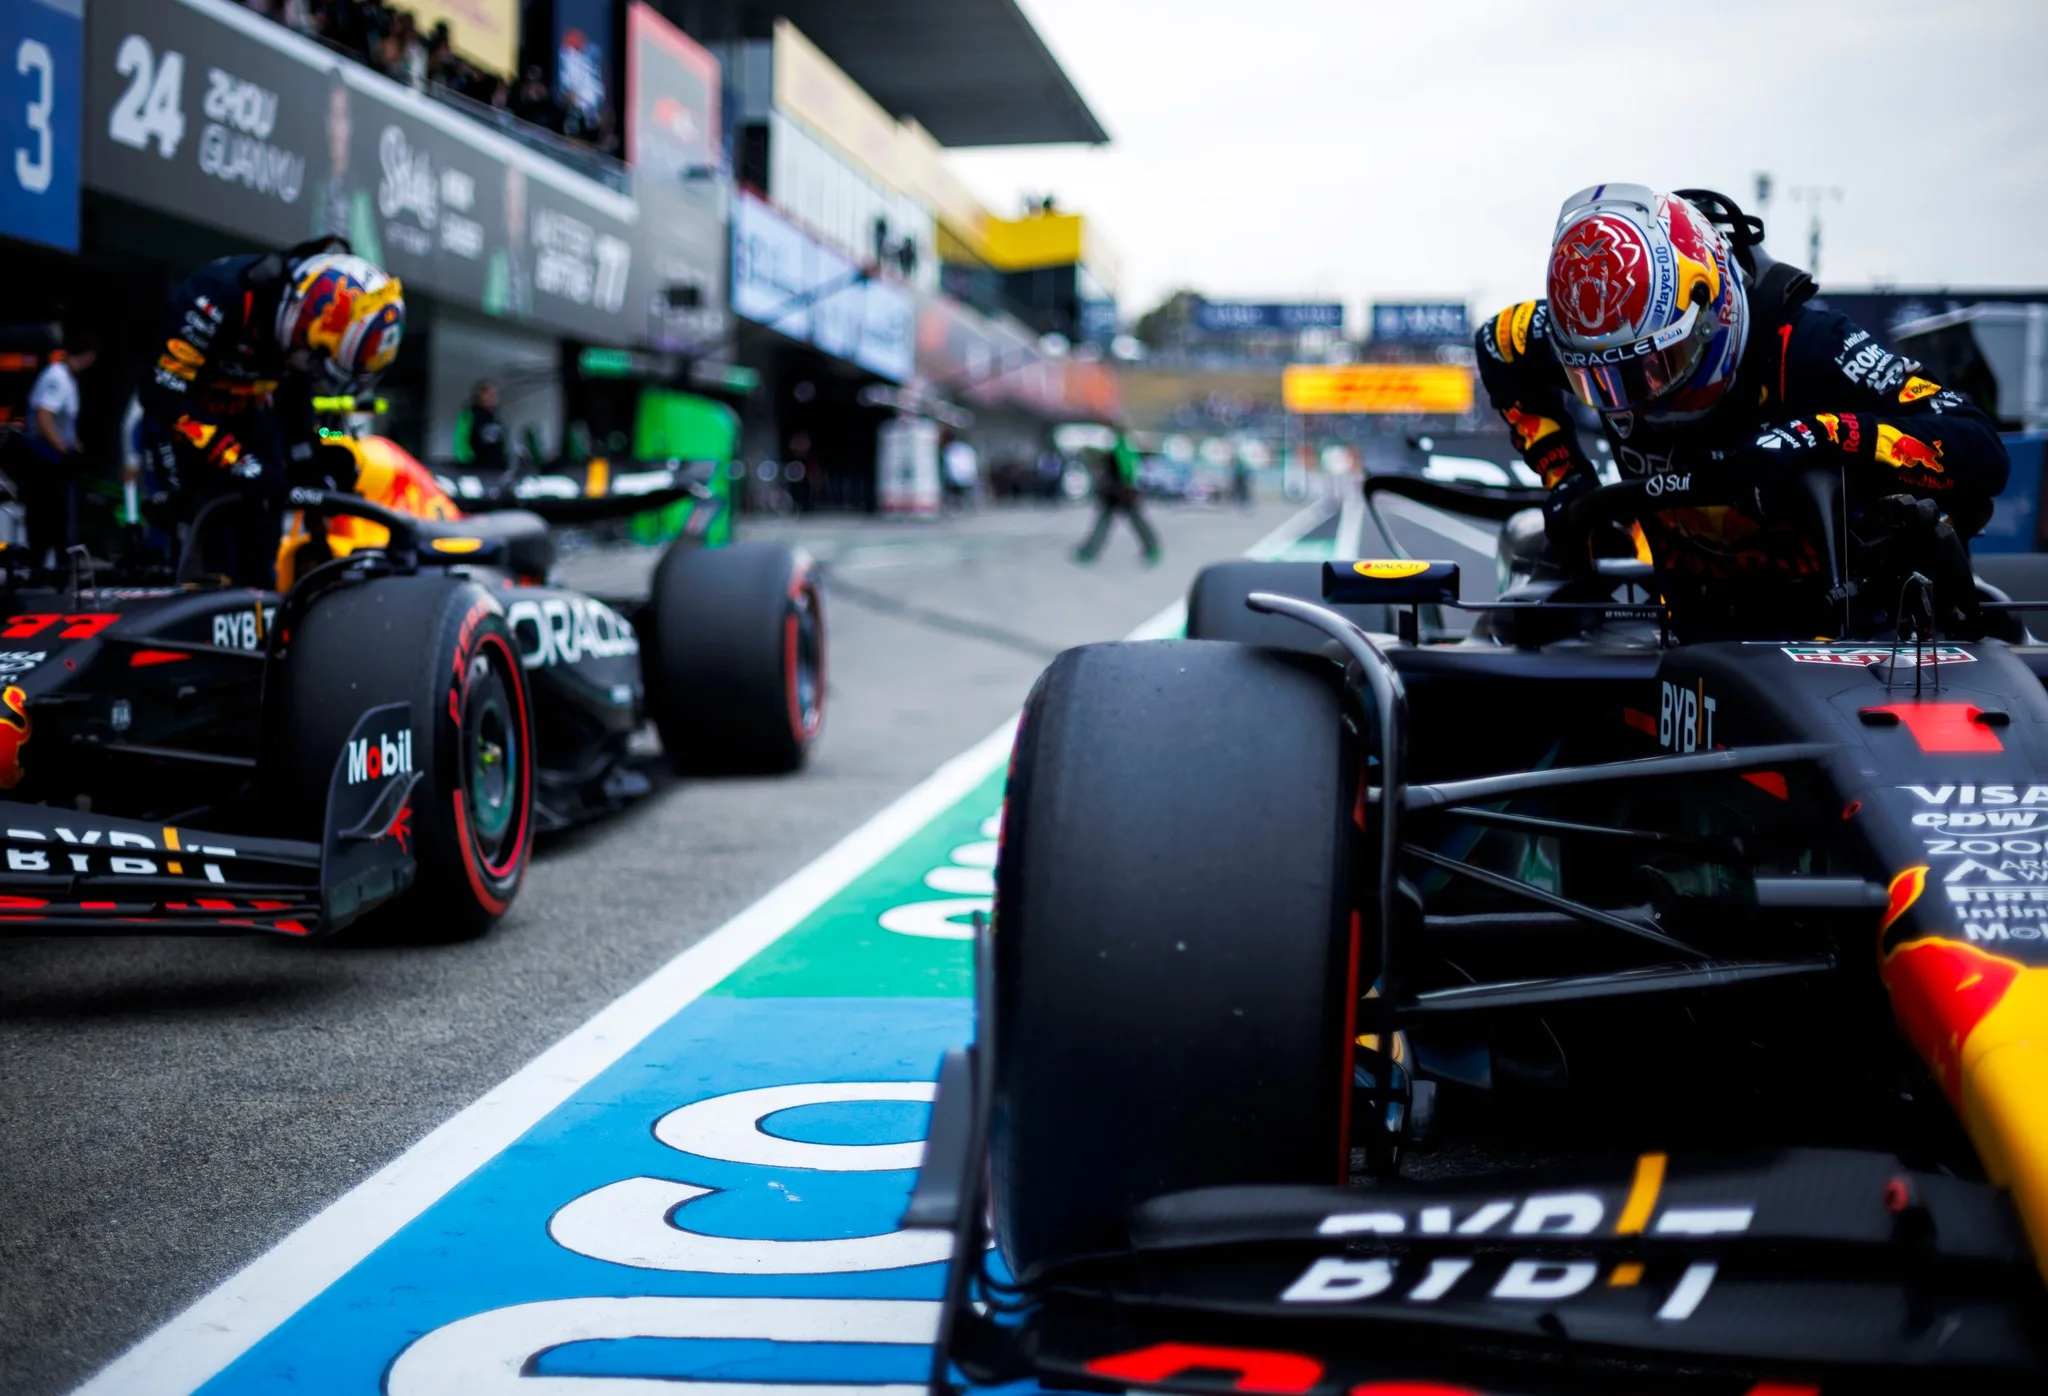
point(594, 1204)
point(695, 1191)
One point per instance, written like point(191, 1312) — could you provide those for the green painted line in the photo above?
point(846, 950)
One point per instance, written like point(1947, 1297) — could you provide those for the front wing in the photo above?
point(1788, 1271)
point(71, 871)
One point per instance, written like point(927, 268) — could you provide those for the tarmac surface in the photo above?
point(170, 1109)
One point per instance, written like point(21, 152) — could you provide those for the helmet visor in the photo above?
point(1632, 376)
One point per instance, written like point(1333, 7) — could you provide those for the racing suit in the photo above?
point(1812, 390)
point(222, 412)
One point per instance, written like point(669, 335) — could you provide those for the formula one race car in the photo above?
point(1565, 1008)
point(393, 727)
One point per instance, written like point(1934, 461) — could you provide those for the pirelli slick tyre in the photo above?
point(1173, 939)
point(733, 651)
point(1216, 609)
point(441, 644)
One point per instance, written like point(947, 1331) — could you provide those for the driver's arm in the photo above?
point(1527, 387)
point(1897, 430)
point(169, 392)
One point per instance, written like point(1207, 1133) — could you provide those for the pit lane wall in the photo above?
point(206, 111)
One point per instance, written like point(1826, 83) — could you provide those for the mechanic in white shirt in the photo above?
point(46, 487)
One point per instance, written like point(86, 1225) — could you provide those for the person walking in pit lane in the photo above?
point(1116, 492)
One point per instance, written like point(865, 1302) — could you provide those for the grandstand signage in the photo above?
point(786, 279)
point(1247, 317)
point(205, 110)
point(672, 99)
point(1423, 322)
point(1377, 388)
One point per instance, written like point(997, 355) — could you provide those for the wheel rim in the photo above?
point(490, 758)
point(806, 641)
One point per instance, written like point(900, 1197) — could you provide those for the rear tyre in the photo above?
point(1173, 945)
point(734, 657)
point(441, 644)
point(1216, 609)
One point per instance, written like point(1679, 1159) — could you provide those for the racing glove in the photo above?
point(1763, 475)
point(1570, 535)
point(229, 455)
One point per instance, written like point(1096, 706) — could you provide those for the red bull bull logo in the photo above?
point(1980, 1022)
point(1903, 452)
point(1941, 990)
point(14, 734)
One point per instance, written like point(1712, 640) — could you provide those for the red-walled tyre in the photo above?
point(441, 644)
point(733, 650)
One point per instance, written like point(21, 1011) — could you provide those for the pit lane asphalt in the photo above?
point(170, 1109)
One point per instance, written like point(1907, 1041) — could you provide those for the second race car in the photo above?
point(388, 731)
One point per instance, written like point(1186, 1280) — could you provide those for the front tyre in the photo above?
point(441, 644)
point(733, 650)
point(1175, 955)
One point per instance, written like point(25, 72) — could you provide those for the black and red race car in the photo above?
point(1566, 1007)
point(389, 732)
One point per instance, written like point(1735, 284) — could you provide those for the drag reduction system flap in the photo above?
point(1391, 581)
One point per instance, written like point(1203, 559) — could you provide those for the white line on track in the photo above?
point(1350, 519)
point(1443, 525)
point(201, 1342)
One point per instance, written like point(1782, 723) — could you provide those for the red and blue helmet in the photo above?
point(344, 312)
point(1648, 312)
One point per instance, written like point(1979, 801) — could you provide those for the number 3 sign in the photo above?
point(41, 73)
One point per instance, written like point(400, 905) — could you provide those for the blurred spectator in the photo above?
point(388, 39)
point(413, 51)
point(479, 435)
point(533, 102)
point(607, 139)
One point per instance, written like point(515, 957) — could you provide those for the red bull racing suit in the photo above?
point(222, 413)
point(1812, 389)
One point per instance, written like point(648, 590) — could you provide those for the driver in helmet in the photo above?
point(1714, 373)
point(245, 344)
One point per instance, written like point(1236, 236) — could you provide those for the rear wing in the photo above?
point(585, 492)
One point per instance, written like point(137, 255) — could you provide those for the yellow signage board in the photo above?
point(486, 32)
point(1445, 388)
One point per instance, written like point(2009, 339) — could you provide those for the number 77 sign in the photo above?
point(41, 74)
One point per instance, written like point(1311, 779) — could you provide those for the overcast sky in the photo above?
point(1359, 149)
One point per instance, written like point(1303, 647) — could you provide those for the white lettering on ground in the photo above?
point(489, 1354)
point(965, 882)
point(976, 855)
point(728, 1127)
point(639, 1222)
point(936, 920)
